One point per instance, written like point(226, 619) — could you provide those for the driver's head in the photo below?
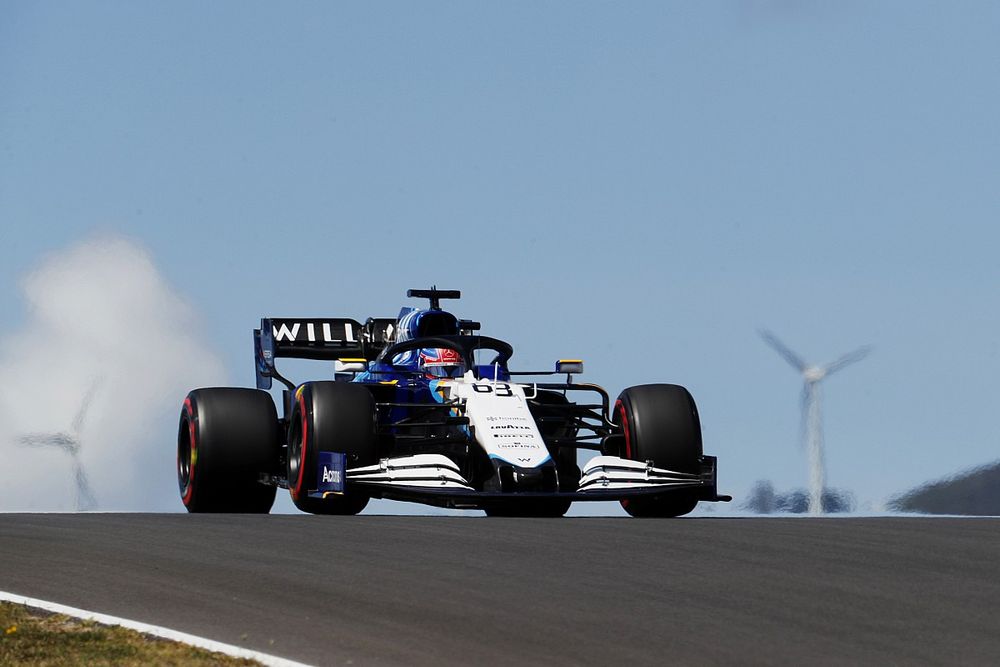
point(441, 362)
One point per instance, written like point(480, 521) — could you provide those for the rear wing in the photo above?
point(317, 338)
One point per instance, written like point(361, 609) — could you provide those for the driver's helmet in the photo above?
point(441, 362)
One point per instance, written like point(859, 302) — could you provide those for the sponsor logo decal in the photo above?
point(337, 331)
point(330, 472)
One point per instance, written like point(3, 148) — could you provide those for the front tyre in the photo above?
point(226, 438)
point(660, 424)
point(329, 417)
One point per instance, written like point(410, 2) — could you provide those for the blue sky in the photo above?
point(643, 185)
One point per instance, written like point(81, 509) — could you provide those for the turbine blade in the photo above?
point(848, 359)
point(61, 440)
point(85, 405)
point(37, 440)
point(783, 350)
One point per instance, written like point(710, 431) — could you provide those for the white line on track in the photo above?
point(155, 630)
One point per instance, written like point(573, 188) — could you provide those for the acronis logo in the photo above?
point(330, 471)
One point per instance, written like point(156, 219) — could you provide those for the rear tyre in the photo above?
point(226, 438)
point(329, 417)
point(660, 424)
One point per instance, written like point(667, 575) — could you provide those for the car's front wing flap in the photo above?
point(435, 479)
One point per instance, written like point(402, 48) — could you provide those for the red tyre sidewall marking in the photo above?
point(620, 408)
point(192, 454)
point(297, 490)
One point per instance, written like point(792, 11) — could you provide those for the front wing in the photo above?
point(435, 480)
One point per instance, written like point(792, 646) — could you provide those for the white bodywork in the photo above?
point(504, 427)
point(612, 472)
point(502, 424)
point(422, 470)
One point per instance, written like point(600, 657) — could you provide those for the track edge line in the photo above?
point(155, 630)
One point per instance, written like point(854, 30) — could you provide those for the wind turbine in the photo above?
point(812, 419)
point(70, 443)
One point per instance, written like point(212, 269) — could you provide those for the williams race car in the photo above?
point(423, 408)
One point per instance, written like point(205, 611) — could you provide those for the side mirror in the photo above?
point(569, 366)
point(468, 327)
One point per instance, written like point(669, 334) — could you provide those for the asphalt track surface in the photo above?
point(451, 590)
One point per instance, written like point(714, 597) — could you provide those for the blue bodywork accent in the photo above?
point(330, 472)
point(409, 384)
point(487, 371)
point(263, 359)
point(435, 394)
point(414, 323)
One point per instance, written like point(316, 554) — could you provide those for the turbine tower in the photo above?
point(812, 419)
point(70, 443)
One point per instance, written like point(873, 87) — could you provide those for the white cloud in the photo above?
point(99, 312)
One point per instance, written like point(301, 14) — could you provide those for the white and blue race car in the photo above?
point(423, 408)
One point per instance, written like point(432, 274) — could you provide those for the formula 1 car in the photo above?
point(423, 408)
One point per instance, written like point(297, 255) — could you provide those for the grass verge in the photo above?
point(36, 638)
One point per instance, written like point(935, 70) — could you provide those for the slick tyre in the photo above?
point(227, 437)
point(660, 424)
point(329, 417)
